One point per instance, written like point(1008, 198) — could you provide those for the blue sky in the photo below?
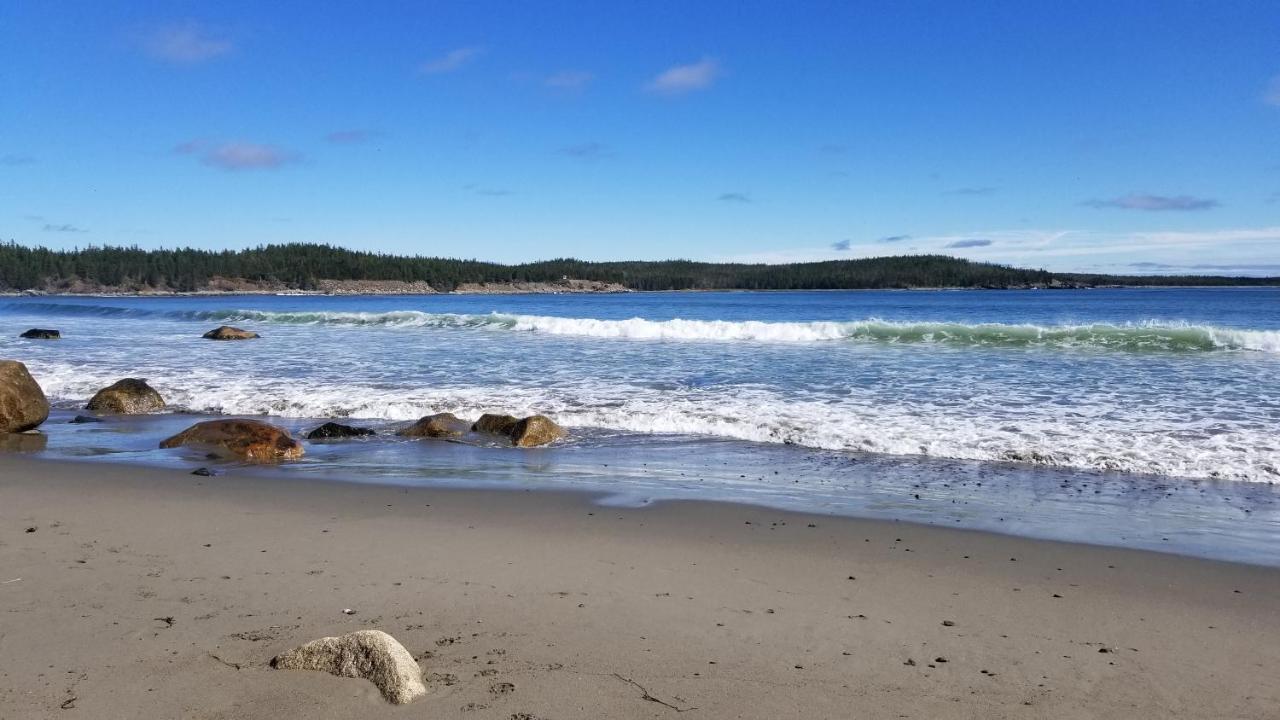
point(1115, 136)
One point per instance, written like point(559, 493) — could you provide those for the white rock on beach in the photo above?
point(369, 654)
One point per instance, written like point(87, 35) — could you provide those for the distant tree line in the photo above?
point(302, 265)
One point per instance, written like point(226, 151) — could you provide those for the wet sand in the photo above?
point(137, 592)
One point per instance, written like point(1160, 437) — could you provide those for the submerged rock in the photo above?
point(535, 430)
point(251, 440)
point(226, 332)
point(496, 424)
point(369, 654)
point(333, 431)
point(41, 334)
point(83, 420)
point(130, 396)
point(23, 405)
point(440, 425)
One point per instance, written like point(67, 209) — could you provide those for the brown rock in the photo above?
point(496, 424)
point(536, 430)
point(23, 405)
point(226, 332)
point(250, 440)
point(440, 425)
point(130, 396)
point(369, 654)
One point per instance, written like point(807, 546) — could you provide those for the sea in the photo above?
point(1137, 417)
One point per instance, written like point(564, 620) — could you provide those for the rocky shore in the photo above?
point(24, 407)
point(238, 286)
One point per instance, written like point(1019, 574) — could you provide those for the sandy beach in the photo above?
point(135, 592)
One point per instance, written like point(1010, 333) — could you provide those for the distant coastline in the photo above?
point(312, 269)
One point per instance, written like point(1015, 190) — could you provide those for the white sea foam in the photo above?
point(1140, 336)
point(1147, 335)
point(1087, 437)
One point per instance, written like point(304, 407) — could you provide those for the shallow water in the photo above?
point(1117, 411)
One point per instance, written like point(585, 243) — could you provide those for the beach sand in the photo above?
point(131, 592)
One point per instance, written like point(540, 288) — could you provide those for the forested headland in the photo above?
point(302, 266)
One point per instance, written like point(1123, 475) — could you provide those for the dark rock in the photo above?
point(23, 405)
point(203, 472)
point(226, 332)
point(130, 396)
point(496, 424)
point(41, 334)
point(440, 425)
point(250, 440)
point(333, 430)
point(83, 420)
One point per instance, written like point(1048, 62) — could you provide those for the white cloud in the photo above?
point(1272, 94)
point(683, 79)
point(451, 61)
point(185, 43)
point(1071, 250)
point(569, 80)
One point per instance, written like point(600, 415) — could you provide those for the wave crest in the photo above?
point(1137, 337)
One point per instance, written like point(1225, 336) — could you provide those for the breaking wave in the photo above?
point(1134, 337)
point(1145, 336)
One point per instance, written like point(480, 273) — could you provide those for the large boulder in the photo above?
point(226, 332)
point(369, 654)
point(440, 425)
point(338, 431)
point(251, 440)
point(41, 334)
point(535, 430)
point(130, 396)
point(23, 405)
point(496, 424)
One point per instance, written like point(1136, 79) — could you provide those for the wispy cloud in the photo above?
point(487, 191)
point(569, 80)
point(1154, 203)
point(682, 79)
point(735, 197)
point(586, 151)
point(15, 160)
point(970, 243)
point(1208, 268)
point(894, 238)
point(1248, 249)
point(351, 137)
point(451, 61)
point(1271, 95)
point(972, 191)
point(63, 228)
point(185, 43)
point(842, 245)
point(237, 155)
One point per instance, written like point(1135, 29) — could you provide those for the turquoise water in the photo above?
point(823, 400)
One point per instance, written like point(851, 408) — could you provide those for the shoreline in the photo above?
point(628, 291)
point(153, 592)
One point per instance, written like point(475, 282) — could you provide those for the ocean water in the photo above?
point(777, 397)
